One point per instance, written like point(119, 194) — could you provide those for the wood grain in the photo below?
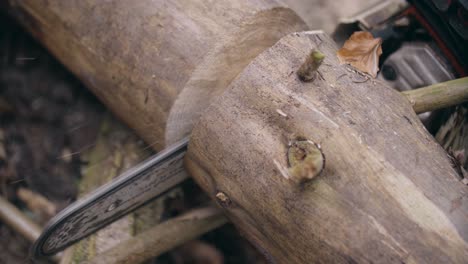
point(387, 193)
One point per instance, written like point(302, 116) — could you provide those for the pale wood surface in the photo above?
point(18, 221)
point(163, 237)
point(387, 193)
point(138, 56)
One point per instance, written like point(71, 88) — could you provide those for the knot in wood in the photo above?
point(305, 159)
point(223, 198)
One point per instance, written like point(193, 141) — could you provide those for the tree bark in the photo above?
point(387, 193)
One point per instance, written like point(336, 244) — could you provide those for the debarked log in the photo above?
point(156, 64)
point(387, 192)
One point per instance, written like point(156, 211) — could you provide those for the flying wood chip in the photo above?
point(362, 51)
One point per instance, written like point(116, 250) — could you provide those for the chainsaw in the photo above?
point(424, 42)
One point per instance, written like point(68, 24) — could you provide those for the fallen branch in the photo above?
point(438, 96)
point(17, 221)
point(163, 237)
point(37, 203)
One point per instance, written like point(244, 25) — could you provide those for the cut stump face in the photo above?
point(387, 190)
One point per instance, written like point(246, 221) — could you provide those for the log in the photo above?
point(156, 64)
point(387, 192)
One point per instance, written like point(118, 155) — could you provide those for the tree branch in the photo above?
point(438, 96)
point(17, 221)
point(163, 237)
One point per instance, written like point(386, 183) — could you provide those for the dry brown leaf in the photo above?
point(362, 51)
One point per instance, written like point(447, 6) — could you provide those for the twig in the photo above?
point(16, 220)
point(163, 237)
point(37, 203)
point(308, 70)
point(438, 96)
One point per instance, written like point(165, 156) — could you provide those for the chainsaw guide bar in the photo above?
point(135, 187)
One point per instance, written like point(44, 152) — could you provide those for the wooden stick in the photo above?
point(394, 199)
point(438, 96)
point(16, 220)
point(163, 237)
